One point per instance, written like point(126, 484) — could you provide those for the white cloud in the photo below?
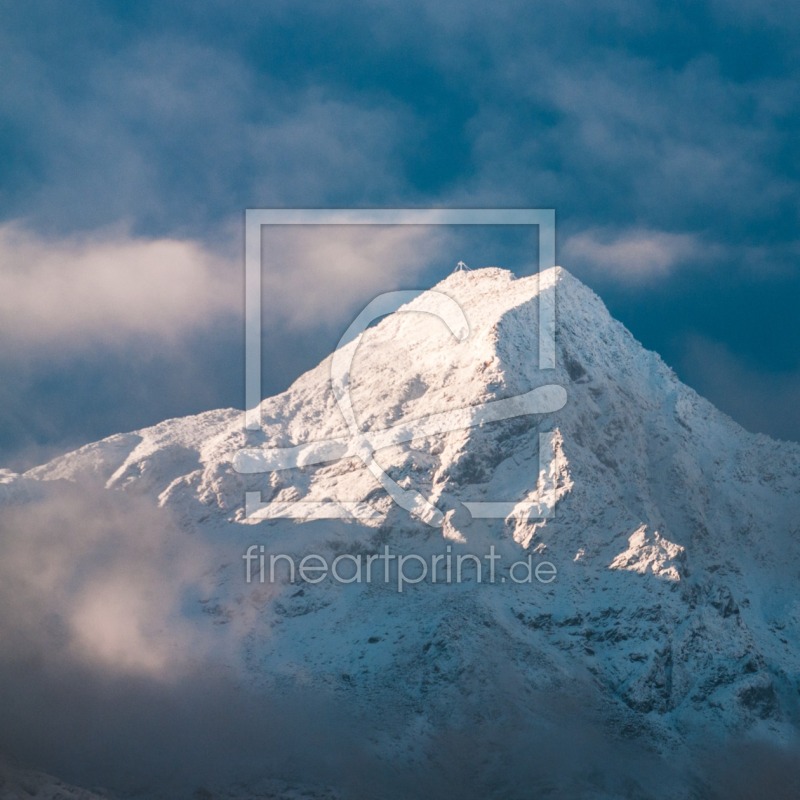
point(107, 288)
point(320, 274)
point(99, 578)
point(110, 288)
point(632, 255)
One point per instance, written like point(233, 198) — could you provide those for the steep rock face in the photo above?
point(675, 533)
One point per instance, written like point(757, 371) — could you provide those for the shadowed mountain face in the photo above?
point(664, 634)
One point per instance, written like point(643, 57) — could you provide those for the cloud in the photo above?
point(185, 116)
point(638, 123)
point(109, 671)
point(108, 288)
point(99, 579)
point(633, 255)
point(629, 116)
point(110, 675)
point(178, 131)
point(107, 332)
point(318, 275)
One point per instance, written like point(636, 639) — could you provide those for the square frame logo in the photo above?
point(543, 399)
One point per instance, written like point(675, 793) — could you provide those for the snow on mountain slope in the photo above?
point(676, 533)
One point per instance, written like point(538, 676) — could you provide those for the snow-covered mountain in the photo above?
point(673, 622)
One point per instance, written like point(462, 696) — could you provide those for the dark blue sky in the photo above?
point(664, 135)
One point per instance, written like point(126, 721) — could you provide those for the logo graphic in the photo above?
point(364, 444)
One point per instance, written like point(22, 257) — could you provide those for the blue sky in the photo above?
point(133, 136)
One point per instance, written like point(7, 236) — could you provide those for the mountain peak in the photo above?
point(500, 279)
point(673, 530)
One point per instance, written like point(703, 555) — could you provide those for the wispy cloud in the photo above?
point(111, 288)
point(108, 288)
point(182, 132)
point(632, 255)
point(318, 274)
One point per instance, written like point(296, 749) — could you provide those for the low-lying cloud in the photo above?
point(108, 288)
point(108, 677)
point(98, 578)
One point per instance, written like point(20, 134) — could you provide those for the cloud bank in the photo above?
point(107, 289)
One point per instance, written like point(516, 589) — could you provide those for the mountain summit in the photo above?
point(674, 614)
